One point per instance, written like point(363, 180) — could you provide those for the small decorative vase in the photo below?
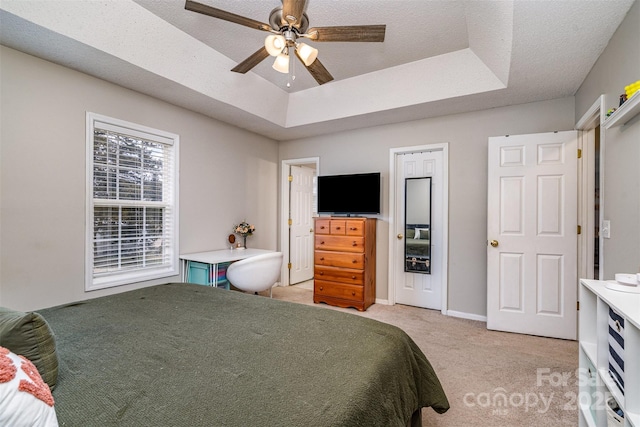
point(244, 241)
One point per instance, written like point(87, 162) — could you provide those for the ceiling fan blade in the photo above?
point(317, 70)
point(224, 15)
point(351, 33)
point(251, 61)
point(292, 11)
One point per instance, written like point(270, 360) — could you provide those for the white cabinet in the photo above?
point(593, 333)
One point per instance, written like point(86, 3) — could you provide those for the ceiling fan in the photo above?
point(287, 24)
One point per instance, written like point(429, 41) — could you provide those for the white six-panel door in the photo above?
point(301, 229)
point(532, 234)
point(417, 289)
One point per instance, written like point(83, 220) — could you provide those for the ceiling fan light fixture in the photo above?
point(307, 53)
point(281, 64)
point(274, 44)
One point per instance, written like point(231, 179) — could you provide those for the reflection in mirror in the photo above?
point(417, 219)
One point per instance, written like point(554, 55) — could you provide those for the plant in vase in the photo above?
point(244, 229)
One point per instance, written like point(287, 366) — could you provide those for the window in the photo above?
point(132, 203)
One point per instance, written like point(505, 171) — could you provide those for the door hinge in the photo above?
point(289, 266)
point(579, 153)
point(578, 305)
point(579, 229)
point(290, 178)
point(290, 222)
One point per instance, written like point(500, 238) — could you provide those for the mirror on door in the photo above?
point(417, 219)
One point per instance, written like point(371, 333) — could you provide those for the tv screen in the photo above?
point(349, 194)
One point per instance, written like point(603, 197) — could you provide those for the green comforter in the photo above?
point(189, 355)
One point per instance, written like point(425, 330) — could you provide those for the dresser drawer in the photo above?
point(340, 243)
point(338, 227)
point(342, 275)
point(338, 290)
point(339, 259)
point(323, 226)
point(354, 228)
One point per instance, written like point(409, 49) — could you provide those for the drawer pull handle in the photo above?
point(322, 273)
point(353, 294)
point(337, 228)
point(355, 244)
point(353, 229)
point(354, 261)
point(353, 277)
point(322, 243)
point(321, 288)
point(322, 259)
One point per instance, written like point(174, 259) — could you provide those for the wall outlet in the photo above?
point(606, 229)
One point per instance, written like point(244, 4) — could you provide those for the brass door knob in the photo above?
point(400, 236)
point(494, 243)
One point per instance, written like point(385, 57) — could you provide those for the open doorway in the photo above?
point(298, 208)
point(591, 194)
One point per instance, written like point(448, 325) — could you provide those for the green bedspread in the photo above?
point(189, 355)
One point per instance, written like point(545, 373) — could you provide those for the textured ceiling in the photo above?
point(438, 57)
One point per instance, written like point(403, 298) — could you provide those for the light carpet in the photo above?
point(491, 378)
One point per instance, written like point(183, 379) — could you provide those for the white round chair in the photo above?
point(257, 273)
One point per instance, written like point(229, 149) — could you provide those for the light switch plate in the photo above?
point(606, 229)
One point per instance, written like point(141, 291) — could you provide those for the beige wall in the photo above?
point(618, 66)
point(367, 150)
point(226, 175)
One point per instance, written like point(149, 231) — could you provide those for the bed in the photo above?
point(188, 355)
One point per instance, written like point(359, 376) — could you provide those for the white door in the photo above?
point(419, 289)
point(532, 234)
point(301, 228)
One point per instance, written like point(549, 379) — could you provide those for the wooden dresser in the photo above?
point(345, 262)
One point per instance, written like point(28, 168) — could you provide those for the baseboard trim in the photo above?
point(469, 316)
point(382, 301)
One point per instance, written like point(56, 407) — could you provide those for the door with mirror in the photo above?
point(419, 204)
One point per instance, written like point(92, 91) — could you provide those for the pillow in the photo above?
point(422, 233)
point(29, 335)
point(25, 400)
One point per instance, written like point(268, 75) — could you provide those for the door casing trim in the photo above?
point(594, 116)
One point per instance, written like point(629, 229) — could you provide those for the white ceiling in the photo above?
point(438, 57)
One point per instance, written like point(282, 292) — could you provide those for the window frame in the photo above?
point(134, 275)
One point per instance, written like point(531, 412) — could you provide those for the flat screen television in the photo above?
point(349, 194)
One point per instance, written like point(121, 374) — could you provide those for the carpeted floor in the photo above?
point(492, 379)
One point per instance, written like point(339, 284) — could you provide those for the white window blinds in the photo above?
point(132, 205)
